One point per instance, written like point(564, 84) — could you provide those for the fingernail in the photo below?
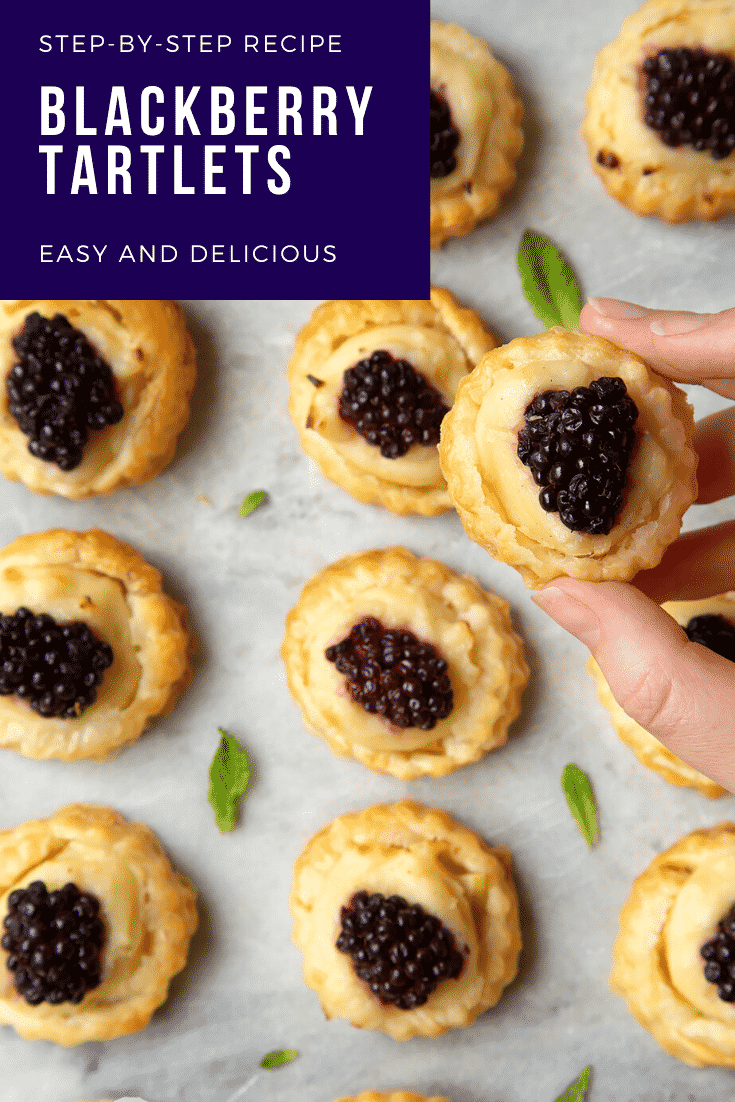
point(670, 326)
point(570, 614)
point(615, 309)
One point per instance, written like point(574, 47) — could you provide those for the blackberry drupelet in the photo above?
point(690, 99)
point(714, 632)
point(578, 446)
point(719, 956)
point(59, 390)
point(56, 668)
point(390, 404)
point(391, 673)
point(54, 942)
point(444, 138)
point(400, 951)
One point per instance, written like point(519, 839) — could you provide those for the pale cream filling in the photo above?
point(500, 418)
point(103, 874)
point(70, 594)
point(432, 352)
point(465, 83)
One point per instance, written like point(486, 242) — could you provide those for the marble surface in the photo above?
point(242, 993)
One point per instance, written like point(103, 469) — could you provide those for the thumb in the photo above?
point(680, 344)
point(681, 692)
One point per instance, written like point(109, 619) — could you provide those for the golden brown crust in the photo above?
point(650, 177)
point(495, 495)
point(468, 625)
point(673, 909)
point(487, 114)
point(390, 1096)
point(441, 340)
point(148, 909)
point(93, 577)
point(430, 859)
point(649, 751)
point(153, 360)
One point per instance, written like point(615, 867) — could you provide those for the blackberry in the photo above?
point(690, 99)
point(391, 673)
point(54, 942)
point(719, 956)
point(715, 632)
point(444, 138)
point(56, 668)
point(391, 405)
point(399, 950)
point(578, 446)
point(59, 390)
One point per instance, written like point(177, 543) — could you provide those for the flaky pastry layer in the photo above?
point(469, 626)
point(495, 495)
point(487, 114)
point(149, 913)
point(153, 361)
point(428, 858)
point(94, 577)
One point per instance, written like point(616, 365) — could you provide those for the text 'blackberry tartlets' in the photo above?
point(476, 136)
point(675, 933)
point(100, 652)
point(403, 664)
point(565, 455)
point(370, 384)
point(407, 921)
point(660, 123)
point(709, 622)
point(94, 394)
point(95, 924)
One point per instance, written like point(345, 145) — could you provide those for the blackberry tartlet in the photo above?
point(404, 664)
point(425, 886)
point(95, 924)
point(370, 384)
point(660, 121)
point(476, 136)
point(710, 622)
point(664, 952)
point(565, 455)
point(95, 392)
point(91, 649)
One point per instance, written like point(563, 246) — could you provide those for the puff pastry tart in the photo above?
point(675, 947)
point(96, 923)
point(91, 647)
point(660, 121)
point(369, 385)
point(404, 664)
point(565, 455)
point(476, 136)
point(95, 392)
point(408, 922)
point(710, 622)
point(391, 1096)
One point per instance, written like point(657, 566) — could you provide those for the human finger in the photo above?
point(688, 347)
point(698, 564)
point(681, 692)
point(714, 442)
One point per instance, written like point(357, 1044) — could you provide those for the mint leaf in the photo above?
point(549, 283)
point(229, 776)
point(581, 800)
point(252, 502)
point(577, 1091)
point(279, 1058)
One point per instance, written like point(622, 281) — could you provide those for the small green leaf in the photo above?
point(279, 1058)
point(577, 1091)
point(549, 283)
point(581, 800)
point(252, 502)
point(229, 777)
